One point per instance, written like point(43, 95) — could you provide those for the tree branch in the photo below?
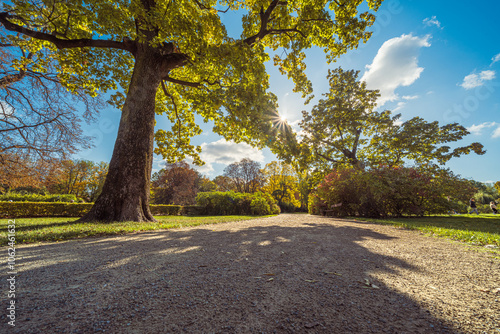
point(66, 43)
point(181, 82)
point(175, 108)
point(264, 20)
point(202, 6)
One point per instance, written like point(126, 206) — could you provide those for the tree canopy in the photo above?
point(344, 128)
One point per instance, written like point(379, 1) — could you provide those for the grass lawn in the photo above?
point(483, 229)
point(30, 230)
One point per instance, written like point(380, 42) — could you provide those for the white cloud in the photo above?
point(495, 58)
point(475, 80)
point(410, 97)
point(496, 133)
point(224, 152)
point(395, 65)
point(478, 129)
point(399, 106)
point(432, 21)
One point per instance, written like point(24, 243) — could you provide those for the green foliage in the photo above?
point(165, 210)
point(233, 203)
point(259, 206)
point(43, 209)
point(392, 191)
point(339, 125)
point(345, 129)
point(280, 180)
point(204, 69)
point(27, 197)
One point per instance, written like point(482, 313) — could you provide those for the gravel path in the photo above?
point(284, 274)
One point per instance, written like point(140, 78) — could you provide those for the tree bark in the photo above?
point(125, 194)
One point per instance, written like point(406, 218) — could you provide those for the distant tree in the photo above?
point(204, 184)
point(245, 175)
point(497, 186)
point(17, 171)
point(82, 178)
point(96, 181)
point(344, 129)
point(224, 183)
point(177, 184)
point(281, 182)
point(338, 128)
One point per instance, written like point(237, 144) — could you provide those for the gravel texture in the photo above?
point(284, 274)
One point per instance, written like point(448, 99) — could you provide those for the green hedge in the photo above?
point(232, 203)
point(45, 209)
point(18, 197)
point(165, 210)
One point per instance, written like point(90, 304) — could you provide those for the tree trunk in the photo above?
point(125, 194)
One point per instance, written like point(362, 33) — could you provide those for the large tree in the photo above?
point(184, 48)
point(344, 128)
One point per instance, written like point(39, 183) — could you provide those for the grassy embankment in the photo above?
point(31, 230)
point(483, 229)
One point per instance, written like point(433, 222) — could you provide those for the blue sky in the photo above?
point(439, 60)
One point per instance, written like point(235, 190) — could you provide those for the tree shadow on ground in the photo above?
point(259, 279)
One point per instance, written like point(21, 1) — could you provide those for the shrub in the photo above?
point(233, 203)
point(391, 191)
point(165, 210)
point(25, 197)
point(259, 206)
point(43, 209)
point(288, 207)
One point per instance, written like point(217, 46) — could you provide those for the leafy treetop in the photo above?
point(210, 73)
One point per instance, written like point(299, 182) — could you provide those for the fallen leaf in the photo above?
point(432, 287)
point(497, 290)
point(484, 290)
point(271, 279)
point(310, 280)
point(368, 284)
point(269, 274)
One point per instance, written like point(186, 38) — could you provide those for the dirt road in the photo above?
point(285, 274)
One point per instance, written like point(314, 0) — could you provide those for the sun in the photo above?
point(283, 119)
